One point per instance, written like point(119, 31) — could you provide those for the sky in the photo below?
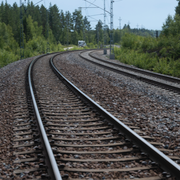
point(148, 14)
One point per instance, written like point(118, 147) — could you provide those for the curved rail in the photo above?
point(165, 162)
point(54, 171)
point(139, 77)
point(138, 70)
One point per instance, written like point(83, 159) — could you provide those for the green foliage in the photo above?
point(91, 45)
point(7, 57)
point(178, 8)
point(172, 26)
point(48, 30)
point(132, 57)
point(78, 21)
point(8, 46)
point(6, 36)
point(149, 61)
point(161, 54)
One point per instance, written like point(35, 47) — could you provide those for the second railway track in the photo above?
point(157, 79)
point(87, 142)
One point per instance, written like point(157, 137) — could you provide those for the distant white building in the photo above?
point(81, 43)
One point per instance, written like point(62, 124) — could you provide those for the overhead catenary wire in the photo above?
point(97, 6)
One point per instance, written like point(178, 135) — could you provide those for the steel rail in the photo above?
point(165, 162)
point(138, 77)
point(53, 167)
point(138, 70)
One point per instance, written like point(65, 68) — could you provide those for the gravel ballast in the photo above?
point(12, 88)
point(154, 110)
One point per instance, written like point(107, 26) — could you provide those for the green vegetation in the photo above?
point(160, 54)
point(44, 30)
point(8, 46)
point(48, 30)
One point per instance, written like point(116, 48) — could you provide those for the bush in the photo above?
point(7, 57)
point(91, 45)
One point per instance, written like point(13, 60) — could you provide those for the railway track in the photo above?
point(163, 81)
point(72, 137)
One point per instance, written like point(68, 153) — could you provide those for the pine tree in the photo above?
point(78, 21)
point(43, 21)
point(68, 25)
point(86, 29)
point(166, 25)
point(54, 21)
point(6, 14)
point(15, 23)
point(99, 32)
point(177, 9)
point(1, 11)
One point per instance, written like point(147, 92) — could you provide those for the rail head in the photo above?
point(139, 70)
point(141, 78)
point(53, 167)
point(165, 162)
point(51, 162)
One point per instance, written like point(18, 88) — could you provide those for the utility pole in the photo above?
point(105, 51)
point(98, 35)
point(120, 27)
point(112, 56)
point(84, 31)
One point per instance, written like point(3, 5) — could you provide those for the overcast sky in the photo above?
point(150, 14)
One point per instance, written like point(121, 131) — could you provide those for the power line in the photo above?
point(95, 15)
point(96, 6)
point(38, 2)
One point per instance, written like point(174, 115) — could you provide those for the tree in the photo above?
point(43, 21)
point(7, 41)
point(125, 26)
point(167, 25)
point(6, 14)
point(68, 26)
point(77, 21)
point(116, 37)
point(177, 9)
point(99, 32)
point(54, 21)
point(15, 23)
point(75, 37)
point(86, 29)
point(87, 24)
point(1, 10)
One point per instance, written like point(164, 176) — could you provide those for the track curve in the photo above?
point(156, 79)
point(83, 139)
